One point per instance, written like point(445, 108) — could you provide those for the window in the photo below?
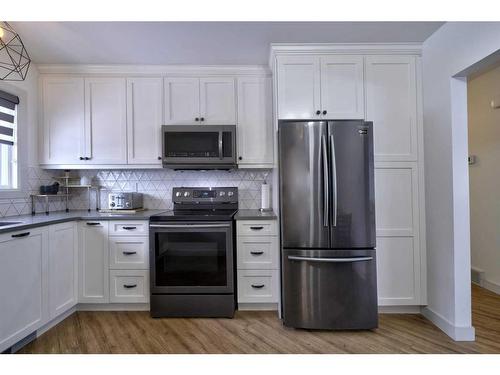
point(8, 141)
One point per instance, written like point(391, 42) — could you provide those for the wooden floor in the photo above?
point(262, 332)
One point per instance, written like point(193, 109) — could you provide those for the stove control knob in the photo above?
point(178, 194)
point(222, 193)
point(230, 193)
point(186, 194)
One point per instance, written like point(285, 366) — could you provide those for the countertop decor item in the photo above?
point(14, 59)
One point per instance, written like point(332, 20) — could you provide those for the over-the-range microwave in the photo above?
point(199, 146)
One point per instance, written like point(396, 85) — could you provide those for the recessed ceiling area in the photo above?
point(197, 42)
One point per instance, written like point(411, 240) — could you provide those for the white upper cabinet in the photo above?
point(255, 130)
point(342, 95)
point(105, 120)
point(320, 87)
point(62, 119)
point(63, 268)
point(217, 101)
point(391, 100)
point(298, 87)
point(182, 101)
point(198, 101)
point(144, 120)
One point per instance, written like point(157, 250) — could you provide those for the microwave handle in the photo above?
point(220, 145)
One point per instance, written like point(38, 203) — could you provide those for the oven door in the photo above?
point(191, 258)
point(199, 146)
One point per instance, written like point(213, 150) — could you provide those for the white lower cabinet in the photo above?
point(93, 262)
point(63, 267)
point(129, 286)
point(257, 259)
point(128, 253)
point(23, 284)
point(258, 286)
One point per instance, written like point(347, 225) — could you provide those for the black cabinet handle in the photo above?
point(318, 112)
point(196, 119)
point(256, 252)
point(129, 228)
point(87, 158)
point(240, 157)
point(202, 119)
point(259, 286)
point(324, 112)
point(20, 235)
point(129, 252)
point(256, 228)
point(129, 286)
point(82, 158)
point(93, 224)
point(159, 157)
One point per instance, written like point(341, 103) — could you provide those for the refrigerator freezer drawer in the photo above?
point(330, 289)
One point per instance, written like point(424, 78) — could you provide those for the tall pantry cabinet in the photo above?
point(380, 84)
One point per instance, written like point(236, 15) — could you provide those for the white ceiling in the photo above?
point(197, 42)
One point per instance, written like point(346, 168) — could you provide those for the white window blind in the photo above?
point(8, 141)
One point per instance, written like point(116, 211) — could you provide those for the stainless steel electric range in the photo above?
point(192, 254)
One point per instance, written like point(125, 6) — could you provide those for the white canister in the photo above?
point(265, 197)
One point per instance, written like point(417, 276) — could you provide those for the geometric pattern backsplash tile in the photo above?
point(156, 185)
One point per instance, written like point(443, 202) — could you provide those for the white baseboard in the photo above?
point(455, 332)
point(491, 286)
point(257, 306)
point(112, 307)
point(403, 309)
point(55, 321)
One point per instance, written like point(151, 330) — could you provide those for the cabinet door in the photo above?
point(399, 258)
point(62, 114)
point(105, 120)
point(63, 260)
point(93, 262)
point(391, 103)
point(23, 284)
point(342, 92)
point(255, 130)
point(182, 101)
point(217, 101)
point(298, 87)
point(144, 120)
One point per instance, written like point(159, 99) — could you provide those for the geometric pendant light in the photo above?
point(14, 59)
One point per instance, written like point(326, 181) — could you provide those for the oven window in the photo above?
point(191, 144)
point(190, 259)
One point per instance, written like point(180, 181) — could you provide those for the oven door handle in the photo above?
point(190, 225)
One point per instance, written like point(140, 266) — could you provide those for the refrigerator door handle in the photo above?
point(330, 260)
point(326, 182)
point(334, 180)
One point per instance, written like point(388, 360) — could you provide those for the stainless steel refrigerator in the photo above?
point(327, 224)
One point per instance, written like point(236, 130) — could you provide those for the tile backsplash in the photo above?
point(156, 185)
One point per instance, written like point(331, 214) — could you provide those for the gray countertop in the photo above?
point(255, 215)
point(39, 220)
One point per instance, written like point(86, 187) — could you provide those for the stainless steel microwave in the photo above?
point(199, 146)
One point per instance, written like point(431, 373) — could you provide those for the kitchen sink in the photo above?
point(6, 223)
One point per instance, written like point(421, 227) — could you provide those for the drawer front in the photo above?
point(129, 286)
point(128, 228)
point(257, 228)
point(128, 253)
point(257, 286)
point(257, 252)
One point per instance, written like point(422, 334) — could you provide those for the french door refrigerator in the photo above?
point(327, 224)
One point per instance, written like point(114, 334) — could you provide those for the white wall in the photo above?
point(453, 48)
point(484, 142)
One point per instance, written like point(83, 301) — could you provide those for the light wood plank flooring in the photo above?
point(262, 332)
